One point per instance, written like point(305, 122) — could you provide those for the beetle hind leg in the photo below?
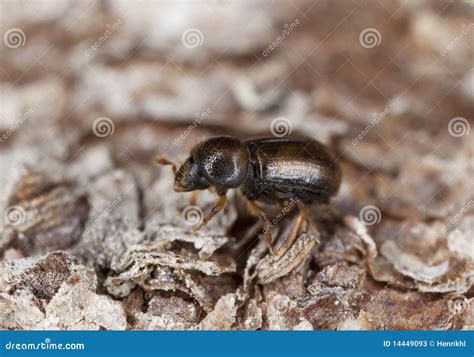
point(267, 226)
point(288, 242)
point(303, 216)
point(307, 215)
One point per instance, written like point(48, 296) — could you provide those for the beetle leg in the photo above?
point(281, 250)
point(307, 215)
point(163, 161)
point(218, 206)
point(267, 235)
point(194, 197)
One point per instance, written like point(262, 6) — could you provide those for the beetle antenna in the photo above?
point(164, 161)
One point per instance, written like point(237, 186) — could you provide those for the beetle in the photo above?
point(266, 170)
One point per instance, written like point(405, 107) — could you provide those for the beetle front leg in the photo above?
point(218, 206)
point(194, 197)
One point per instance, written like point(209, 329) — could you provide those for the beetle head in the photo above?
point(220, 162)
point(188, 178)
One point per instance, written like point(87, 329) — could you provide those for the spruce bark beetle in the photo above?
point(269, 170)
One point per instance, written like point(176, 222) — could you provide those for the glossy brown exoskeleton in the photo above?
point(270, 170)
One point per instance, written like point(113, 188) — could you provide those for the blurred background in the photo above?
point(92, 91)
point(394, 72)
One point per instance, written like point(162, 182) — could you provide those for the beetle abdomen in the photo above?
point(291, 168)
